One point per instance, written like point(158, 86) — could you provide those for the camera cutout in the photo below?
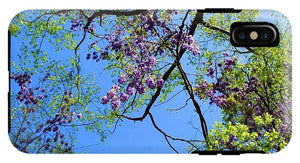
point(254, 34)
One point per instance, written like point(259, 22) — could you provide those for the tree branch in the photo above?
point(177, 109)
point(170, 144)
point(196, 105)
point(195, 22)
point(77, 60)
point(222, 30)
point(168, 136)
point(180, 31)
point(112, 12)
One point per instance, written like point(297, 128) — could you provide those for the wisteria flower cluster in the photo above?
point(134, 81)
point(27, 93)
point(186, 42)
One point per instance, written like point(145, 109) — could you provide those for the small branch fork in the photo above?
point(167, 137)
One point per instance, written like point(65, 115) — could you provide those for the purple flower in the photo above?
point(226, 54)
point(55, 128)
point(143, 68)
point(136, 73)
point(285, 64)
point(141, 45)
point(122, 79)
point(232, 138)
point(219, 101)
point(151, 61)
point(116, 45)
point(130, 90)
point(150, 82)
point(111, 94)
point(79, 115)
point(228, 67)
point(71, 119)
point(196, 51)
point(210, 72)
point(282, 108)
point(141, 89)
point(40, 96)
point(228, 62)
point(88, 56)
point(185, 46)
point(174, 41)
point(190, 39)
point(160, 82)
point(143, 18)
point(210, 93)
point(124, 97)
point(95, 56)
point(115, 103)
point(116, 88)
point(240, 93)
point(203, 85)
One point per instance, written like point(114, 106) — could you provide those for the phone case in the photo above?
point(147, 81)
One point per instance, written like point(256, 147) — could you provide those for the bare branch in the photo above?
point(166, 135)
point(169, 98)
point(170, 144)
point(186, 103)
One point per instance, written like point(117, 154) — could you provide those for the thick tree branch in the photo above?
point(195, 103)
point(216, 28)
point(180, 31)
point(195, 22)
